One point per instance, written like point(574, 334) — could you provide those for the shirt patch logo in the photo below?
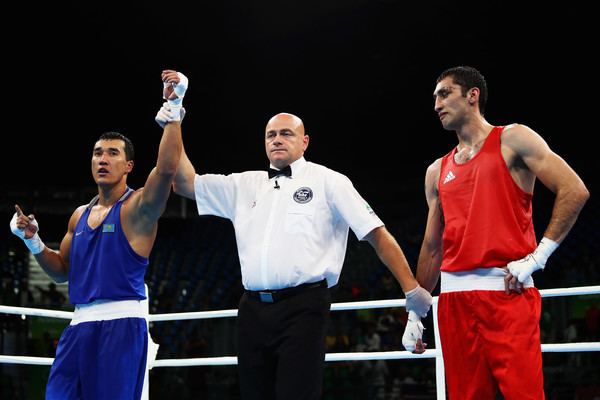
point(303, 195)
point(108, 227)
point(449, 177)
point(369, 209)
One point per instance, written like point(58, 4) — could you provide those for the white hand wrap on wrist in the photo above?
point(418, 300)
point(545, 250)
point(523, 268)
point(13, 227)
point(179, 89)
point(172, 109)
point(413, 331)
point(34, 244)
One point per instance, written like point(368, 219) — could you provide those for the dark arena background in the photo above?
point(361, 74)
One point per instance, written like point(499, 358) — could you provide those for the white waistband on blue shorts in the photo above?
point(104, 310)
point(476, 279)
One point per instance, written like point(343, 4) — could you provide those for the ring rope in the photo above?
point(330, 357)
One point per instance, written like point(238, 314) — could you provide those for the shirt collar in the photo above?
point(296, 166)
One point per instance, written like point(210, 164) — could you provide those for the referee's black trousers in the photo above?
point(281, 346)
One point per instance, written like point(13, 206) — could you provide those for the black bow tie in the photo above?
point(287, 171)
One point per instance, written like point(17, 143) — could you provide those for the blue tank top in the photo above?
point(103, 266)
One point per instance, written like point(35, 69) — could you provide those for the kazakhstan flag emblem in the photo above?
point(108, 228)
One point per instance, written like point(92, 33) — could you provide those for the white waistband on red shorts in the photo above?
point(104, 310)
point(476, 279)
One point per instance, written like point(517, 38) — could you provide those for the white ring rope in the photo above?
point(26, 360)
point(36, 312)
point(330, 357)
point(356, 305)
point(366, 356)
point(358, 356)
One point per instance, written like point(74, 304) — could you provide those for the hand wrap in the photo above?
point(34, 243)
point(523, 268)
point(172, 110)
point(413, 332)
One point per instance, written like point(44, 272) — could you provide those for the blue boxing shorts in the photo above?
point(102, 354)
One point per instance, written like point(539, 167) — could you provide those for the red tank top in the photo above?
point(487, 216)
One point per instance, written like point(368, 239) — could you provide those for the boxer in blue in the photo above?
point(102, 354)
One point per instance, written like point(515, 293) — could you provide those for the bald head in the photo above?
point(285, 140)
point(288, 120)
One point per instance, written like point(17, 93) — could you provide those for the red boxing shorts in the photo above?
point(490, 341)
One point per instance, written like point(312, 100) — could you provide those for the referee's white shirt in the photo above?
point(293, 234)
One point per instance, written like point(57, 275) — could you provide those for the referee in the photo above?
point(291, 225)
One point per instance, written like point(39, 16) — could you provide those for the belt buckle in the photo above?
point(266, 297)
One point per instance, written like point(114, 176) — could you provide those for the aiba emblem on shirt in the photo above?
point(303, 195)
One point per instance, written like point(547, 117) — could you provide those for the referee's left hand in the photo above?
point(419, 301)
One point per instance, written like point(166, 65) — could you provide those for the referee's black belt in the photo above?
point(273, 296)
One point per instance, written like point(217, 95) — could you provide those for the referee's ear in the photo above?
point(305, 140)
